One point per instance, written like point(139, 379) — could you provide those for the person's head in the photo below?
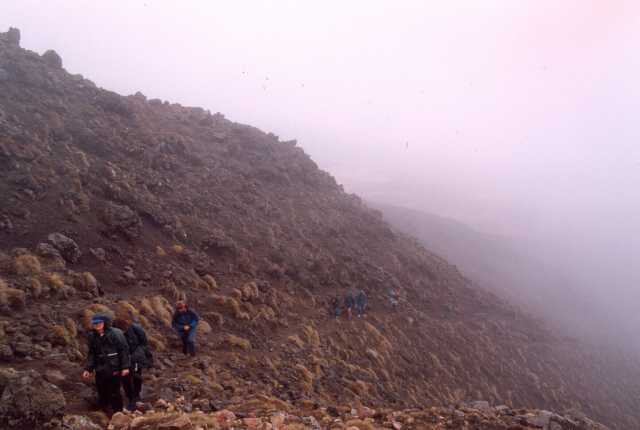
point(181, 306)
point(122, 323)
point(99, 322)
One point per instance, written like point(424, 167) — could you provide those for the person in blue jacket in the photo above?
point(185, 323)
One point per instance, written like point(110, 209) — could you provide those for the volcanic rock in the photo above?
point(68, 248)
point(28, 399)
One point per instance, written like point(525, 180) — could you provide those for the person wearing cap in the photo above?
point(185, 323)
point(108, 358)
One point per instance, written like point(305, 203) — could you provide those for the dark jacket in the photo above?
point(108, 353)
point(334, 303)
point(181, 319)
point(138, 346)
point(348, 301)
point(361, 298)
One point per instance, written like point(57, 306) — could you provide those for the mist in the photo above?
point(516, 118)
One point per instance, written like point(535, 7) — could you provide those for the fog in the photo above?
point(515, 118)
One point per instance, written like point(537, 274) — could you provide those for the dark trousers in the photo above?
point(132, 384)
point(108, 387)
point(188, 342)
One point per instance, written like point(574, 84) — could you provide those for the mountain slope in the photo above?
point(154, 201)
point(526, 273)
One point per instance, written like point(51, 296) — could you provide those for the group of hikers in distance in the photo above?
point(357, 300)
point(119, 351)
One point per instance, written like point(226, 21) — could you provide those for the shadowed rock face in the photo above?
point(26, 398)
point(152, 202)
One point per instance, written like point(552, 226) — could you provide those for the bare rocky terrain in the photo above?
point(126, 204)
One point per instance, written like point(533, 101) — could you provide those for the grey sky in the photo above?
point(516, 117)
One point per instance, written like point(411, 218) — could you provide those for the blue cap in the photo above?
point(98, 319)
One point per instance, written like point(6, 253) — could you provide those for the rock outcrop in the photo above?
point(28, 399)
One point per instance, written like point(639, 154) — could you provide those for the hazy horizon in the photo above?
point(515, 118)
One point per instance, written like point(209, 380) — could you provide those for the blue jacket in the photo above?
point(180, 319)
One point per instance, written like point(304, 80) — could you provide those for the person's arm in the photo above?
point(194, 320)
point(174, 323)
point(91, 357)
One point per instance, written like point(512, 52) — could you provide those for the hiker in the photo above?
point(141, 358)
point(394, 297)
point(109, 358)
point(361, 302)
point(334, 304)
point(185, 322)
point(348, 303)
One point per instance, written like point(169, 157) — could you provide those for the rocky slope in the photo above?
point(525, 273)
point(127, 204)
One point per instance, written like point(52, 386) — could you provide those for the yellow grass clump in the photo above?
point(211, 281)
point(193, 379)
point(71, 327)
point(249, 291)
point(158, 307)
point(126, 311)
point(61, 336)
point(295, 339)
point(90, 282)
point(170, 289)
point(35, 287)
point(160, 252)
point(232, 305)
point(312, 335)
point(157, 344)
point(203, 327)
point(55, 281)
point(11, 296)
point(27, 264)
point(237, 342)
point(306, 377)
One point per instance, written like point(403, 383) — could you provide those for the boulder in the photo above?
point(181, 423)
point(6, 353)
point(122, 219)
point(480, 405)
point(28, 399)
point(56, 377)
point(50, 254)
point(68, 248)
point(119, 421)
point(539, 419)
point(12, 37)
point(78, 422)
point(52, 58)
point(99, 253)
